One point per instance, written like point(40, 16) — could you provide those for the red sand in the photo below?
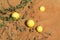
point(50, 20)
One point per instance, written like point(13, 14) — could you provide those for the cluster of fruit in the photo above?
point(30, 23)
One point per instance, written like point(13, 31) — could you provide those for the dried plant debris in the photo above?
point(3, 31)
point(6, 18)
point(1, 24)
point(11, 19)
point(21, 5)
point(9, 38)
point(11, 7)
point(31, 30)
point(24, 15)
point(20, 28)
point(45, 36)
point(24, 28)
point(47, 33)
point(0, 37)
point(3, 10)
point(1, 17)
point(28, 39)
point(30, 1)
point(36, 38)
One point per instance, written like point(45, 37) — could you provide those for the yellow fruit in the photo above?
point(15, 15)
point(39, 29)
point(30, 23)
point(42, 8)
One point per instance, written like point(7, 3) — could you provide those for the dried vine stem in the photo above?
point(21, 5)
point(3, 10)
point(2, 24)
point(11, 7)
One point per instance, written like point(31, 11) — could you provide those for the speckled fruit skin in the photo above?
point(39, 29)
point(15, 15)
point(30, 23)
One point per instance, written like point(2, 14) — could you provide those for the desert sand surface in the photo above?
point(49, 20)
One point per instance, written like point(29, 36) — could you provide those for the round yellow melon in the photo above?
point(15, 15)
point(42, 8)
point(39, 29)
point(30, 23)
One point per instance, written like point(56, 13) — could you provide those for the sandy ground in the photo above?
point(50, 20)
